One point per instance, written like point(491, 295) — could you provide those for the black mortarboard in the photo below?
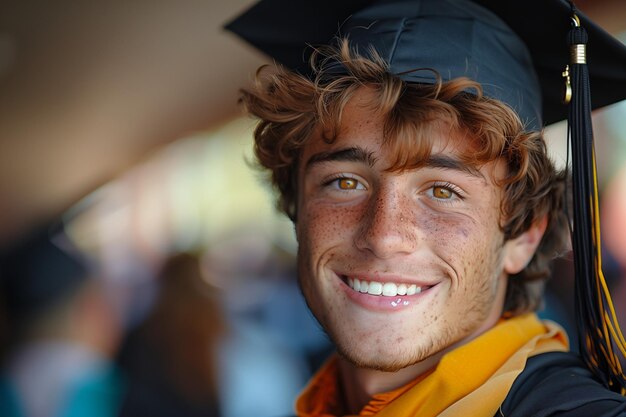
point(518, 51)
point(283, 28)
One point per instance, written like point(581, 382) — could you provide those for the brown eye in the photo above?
point(347, 184)
point(442, 193)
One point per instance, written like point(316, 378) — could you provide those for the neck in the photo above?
point(361, 384)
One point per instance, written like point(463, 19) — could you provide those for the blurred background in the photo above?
point(120, 119)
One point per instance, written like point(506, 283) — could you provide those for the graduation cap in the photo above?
point(530, 55)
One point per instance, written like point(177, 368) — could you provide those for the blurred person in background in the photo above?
point(62, 331)
point(192, 357)
point(170, 359)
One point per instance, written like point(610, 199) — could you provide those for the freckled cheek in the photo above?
point(320, 226)
point(463, 243)
point(445, 231)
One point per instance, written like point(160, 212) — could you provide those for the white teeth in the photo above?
point(387, 289)
point(402, 289)
point(390, 289)
point(375, 288)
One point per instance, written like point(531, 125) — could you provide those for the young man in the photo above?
point(426, 209)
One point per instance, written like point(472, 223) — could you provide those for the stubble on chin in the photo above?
point(380, 364)
point(367, 355)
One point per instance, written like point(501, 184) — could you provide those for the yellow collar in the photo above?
point(473, 379)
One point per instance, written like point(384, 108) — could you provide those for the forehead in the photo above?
point(402, 142)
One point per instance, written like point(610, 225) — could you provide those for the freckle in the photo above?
point(400, 339)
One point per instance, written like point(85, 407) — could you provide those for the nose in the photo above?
point(387, 227)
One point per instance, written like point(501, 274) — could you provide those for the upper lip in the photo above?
point(395, 278)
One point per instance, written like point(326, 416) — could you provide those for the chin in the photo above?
point(396, 354)
point(384, 358)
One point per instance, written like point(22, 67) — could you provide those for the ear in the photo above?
point(519, 251)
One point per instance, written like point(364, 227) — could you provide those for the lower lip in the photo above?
point(384, 303)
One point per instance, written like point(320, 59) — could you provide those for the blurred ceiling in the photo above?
point(89, 88)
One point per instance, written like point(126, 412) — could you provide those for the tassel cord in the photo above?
point(598, 329)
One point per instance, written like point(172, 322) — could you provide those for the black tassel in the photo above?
point(601, 340)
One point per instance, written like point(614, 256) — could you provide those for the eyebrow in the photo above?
point(445, 162)
point(353, 154)
point(358, 154)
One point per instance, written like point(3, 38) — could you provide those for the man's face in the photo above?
point(424, 245)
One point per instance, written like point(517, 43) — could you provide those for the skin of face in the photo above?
point(436, 226)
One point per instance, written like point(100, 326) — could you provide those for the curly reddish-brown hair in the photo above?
point(291, 107)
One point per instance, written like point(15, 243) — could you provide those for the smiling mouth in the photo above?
point(383, 289)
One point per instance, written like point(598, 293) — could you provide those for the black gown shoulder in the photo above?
point(558, 384)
